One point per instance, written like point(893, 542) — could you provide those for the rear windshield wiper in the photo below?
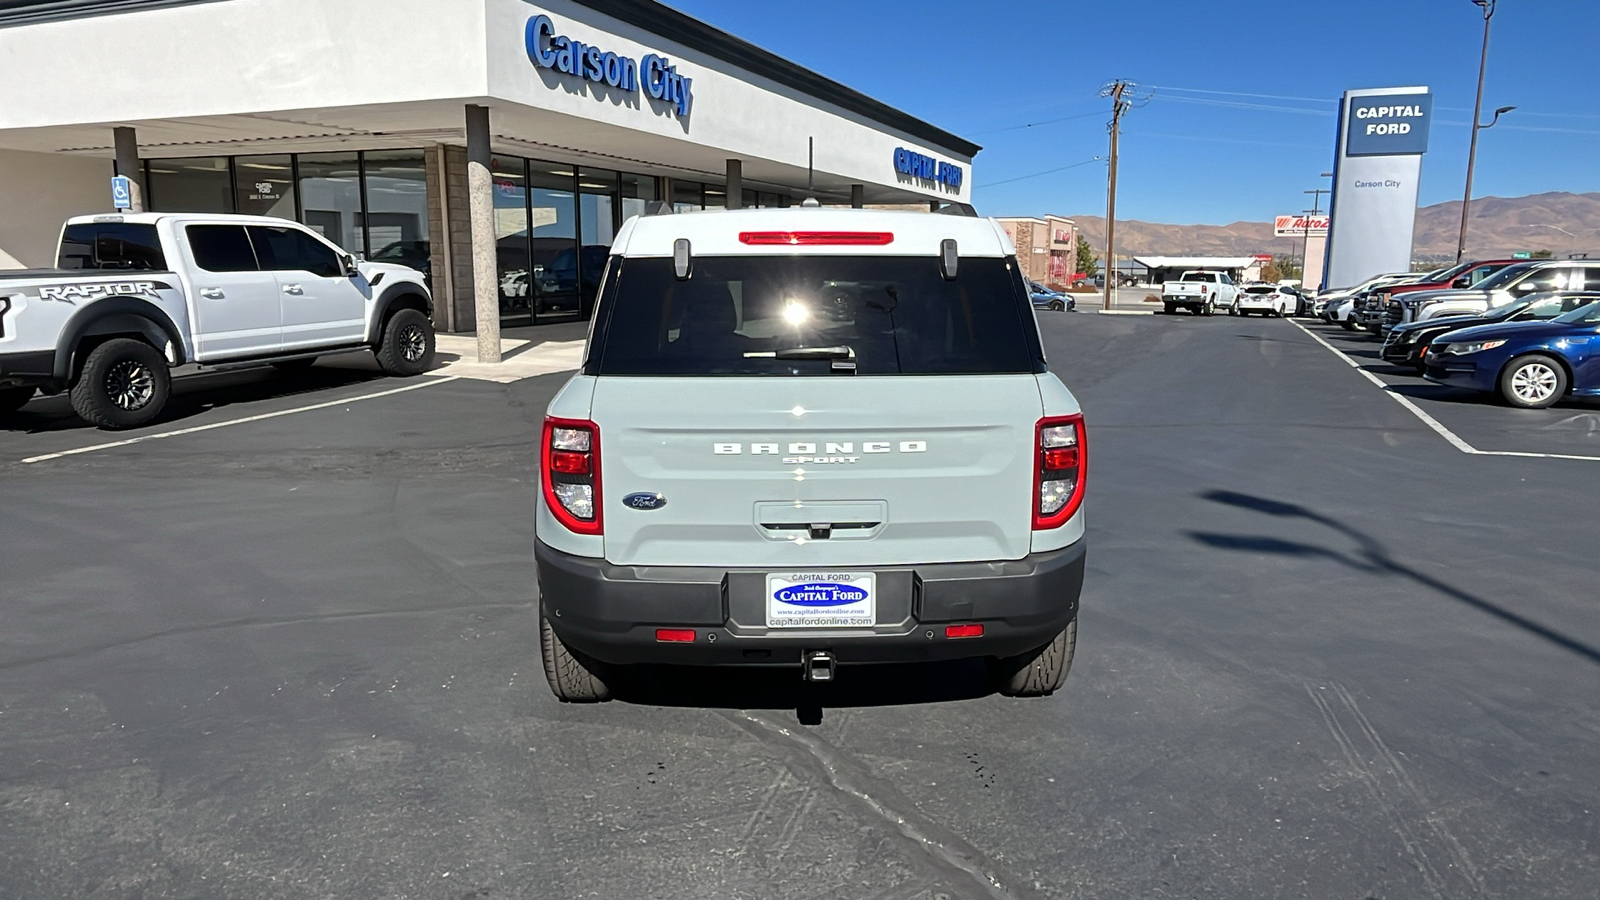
point(844, 358)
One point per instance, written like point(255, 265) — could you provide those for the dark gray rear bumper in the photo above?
point(612, 612)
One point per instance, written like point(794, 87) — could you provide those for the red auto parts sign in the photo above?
point(1299, 226)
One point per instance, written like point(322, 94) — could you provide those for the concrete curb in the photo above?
point(1125, 312)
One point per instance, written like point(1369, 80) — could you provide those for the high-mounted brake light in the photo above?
point(816, 238)
point(570, 469)
point(1060, 470)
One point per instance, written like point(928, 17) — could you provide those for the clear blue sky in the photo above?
point(980, 69)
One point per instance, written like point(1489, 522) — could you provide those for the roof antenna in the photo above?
point(811, 176)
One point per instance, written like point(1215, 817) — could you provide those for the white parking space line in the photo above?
point(1454, 439)
point(271, 415)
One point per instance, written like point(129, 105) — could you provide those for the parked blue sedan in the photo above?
point(1529, 364)
point(1044, 298)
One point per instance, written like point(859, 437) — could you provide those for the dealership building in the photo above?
point(388, 125)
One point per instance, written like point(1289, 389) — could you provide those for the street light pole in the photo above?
point(1477, 113)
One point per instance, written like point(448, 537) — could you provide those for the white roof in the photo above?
point(1195, 262)
point(717, 232)
point(150, 218)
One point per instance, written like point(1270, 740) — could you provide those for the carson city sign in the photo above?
point(559, 53)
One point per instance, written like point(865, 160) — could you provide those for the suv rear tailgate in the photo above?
point(903, 469)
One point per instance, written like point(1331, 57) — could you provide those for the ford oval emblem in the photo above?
point(820, 594)
point(644, 500)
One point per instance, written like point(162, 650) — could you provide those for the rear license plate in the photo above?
point(822, 600)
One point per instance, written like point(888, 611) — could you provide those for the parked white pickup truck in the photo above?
point(135, 296)
point(1200, 292)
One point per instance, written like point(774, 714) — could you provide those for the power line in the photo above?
point(1036, 124)
point(1039, 174)
point(1239, 104)
point(1242, 94)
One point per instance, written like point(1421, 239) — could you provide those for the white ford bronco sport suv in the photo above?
point(137, 295)
point(803, 437)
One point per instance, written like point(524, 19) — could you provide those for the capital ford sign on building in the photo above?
point(926, 168)
point(656, 74)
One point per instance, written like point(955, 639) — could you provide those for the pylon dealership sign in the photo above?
point(1383, 134)
point(1300, 226)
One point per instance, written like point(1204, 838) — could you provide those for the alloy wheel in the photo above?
point(413, 343)
point(130, 385)
point(1534, 382)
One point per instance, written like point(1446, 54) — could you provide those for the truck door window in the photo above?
point(221, 248)
point(292, 250)
point(111, 245)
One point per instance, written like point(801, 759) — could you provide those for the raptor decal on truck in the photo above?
point(71, 293)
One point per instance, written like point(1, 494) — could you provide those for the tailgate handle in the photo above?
point(819, 531)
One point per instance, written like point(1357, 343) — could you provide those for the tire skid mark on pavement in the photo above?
point(257, 418)
point(1454, 439)
point(1371, 776)
point(1457, 851)
point(954, 860)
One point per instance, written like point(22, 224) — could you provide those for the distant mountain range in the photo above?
point(1558, 221)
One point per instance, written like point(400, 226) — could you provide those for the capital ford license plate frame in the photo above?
point(822, 599)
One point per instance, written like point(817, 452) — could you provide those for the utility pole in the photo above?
point(1477, 111)
point(1116, 91)
point(1305, 245)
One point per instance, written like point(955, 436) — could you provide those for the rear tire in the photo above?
point(1040, 673)
point(407, 344)
point(12, 399)
point(1208, 308)
point(573, 677)
point(1169, 308)
point(1534, 381)
point(124, 384)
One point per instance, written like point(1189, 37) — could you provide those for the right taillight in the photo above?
point(1060, 465)
point(570, 466)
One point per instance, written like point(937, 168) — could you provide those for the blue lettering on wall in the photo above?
point(656, 74)
point(926, 168)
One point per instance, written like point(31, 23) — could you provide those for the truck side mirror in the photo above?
point(348, 263)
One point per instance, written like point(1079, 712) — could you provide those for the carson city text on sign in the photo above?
point(658, 75)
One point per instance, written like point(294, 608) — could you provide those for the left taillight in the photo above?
point(1060, 467)
point(570, 469)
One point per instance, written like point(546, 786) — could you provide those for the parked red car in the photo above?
point(1462, 275)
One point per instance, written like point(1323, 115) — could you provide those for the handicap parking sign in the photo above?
point(121, 192)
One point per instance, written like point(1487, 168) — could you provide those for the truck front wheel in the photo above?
point(124, 384)
point(407, 346)
point(12, 398)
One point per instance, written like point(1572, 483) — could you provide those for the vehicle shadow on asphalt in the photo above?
point(782, 688)
point(1370, 556)
point(194, 394)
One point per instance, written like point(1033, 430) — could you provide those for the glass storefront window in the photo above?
point(199, 185)
point(751, 199)
point(554, 213)
point(513, 261)
point(397, 207)
point(688, 195)
point(264, 185)
point(330, 193)
point(637, 190)
point(716, 197)
point(597, 215)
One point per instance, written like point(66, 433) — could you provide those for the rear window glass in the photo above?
point(1259, 289)
point(111, 245)
point(1206, 277)
point(809, 315)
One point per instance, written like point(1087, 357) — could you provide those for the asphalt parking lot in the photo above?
point(1323, 653)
